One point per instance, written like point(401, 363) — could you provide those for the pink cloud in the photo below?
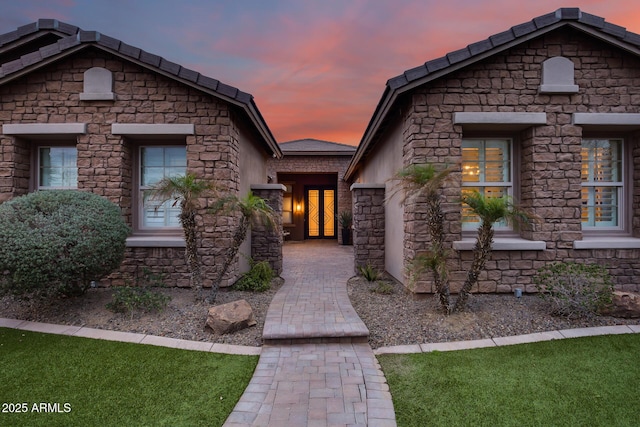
point(321, 74)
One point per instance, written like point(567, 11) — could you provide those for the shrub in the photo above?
point(128, 299)
point(382, 288)
point(369, 273)
point(59, 241)
point(257, 279)
point(574, 290)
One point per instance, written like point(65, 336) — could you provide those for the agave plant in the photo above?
point(185, 190)
point(253, 210)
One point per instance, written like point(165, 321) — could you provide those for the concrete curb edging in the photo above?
point(104, 334)
point(512, 340)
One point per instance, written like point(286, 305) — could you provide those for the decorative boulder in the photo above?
point(624, 304)
point(230, 317)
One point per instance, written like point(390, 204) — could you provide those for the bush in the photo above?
point(574, 290)
point(382, 288)
point(128, 299)
point(369, 273)
point(258, 279)
point(59, 241)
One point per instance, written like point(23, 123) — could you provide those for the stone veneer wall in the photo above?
point(549, 155)
point(105, 161)
point(266, 241)
point(368, 226)
point(313, 165)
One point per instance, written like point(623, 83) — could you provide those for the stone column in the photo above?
point(368, 225)
point(266, 242)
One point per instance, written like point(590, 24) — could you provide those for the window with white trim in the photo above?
point(57, 168)
point(486, 168)
point(602, 183)
point(156, 163)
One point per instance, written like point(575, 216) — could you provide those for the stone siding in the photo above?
point(266, 240)
point(549, 159)
point(368, 227)
point(106, 161)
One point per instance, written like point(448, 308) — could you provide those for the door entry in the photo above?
point(320, 215)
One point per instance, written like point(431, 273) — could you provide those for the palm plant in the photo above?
point(185, 190)
point(253, 211)
point(490, 210)
point(426, 180)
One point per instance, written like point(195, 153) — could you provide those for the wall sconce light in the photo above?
point(298, 207)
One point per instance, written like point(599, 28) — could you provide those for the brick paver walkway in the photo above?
point(316, 368)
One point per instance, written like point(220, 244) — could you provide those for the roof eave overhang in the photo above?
point(319, 153)
point(249, 107)
point(391, 96)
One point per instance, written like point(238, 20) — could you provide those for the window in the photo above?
point(486, 168)
point(156, 163)
point(287, 205)
point(57, 168)
point(602, 183)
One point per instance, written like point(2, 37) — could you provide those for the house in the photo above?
point(547, 112)
point(313, 173)
point(79, 109)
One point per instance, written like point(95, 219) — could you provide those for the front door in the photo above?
point(320, 215)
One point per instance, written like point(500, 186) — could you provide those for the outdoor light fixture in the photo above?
point(518, 293)
point(298, 207)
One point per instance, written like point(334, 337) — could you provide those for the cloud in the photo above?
point(316, 69)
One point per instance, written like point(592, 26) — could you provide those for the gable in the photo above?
point(596, 29)
point(69, 46)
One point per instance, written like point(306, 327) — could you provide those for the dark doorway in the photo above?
point(320, 215)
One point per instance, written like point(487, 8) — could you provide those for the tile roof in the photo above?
point(316, 147)
point(496, 43)
point(74, 39)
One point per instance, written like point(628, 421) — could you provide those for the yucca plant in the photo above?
point(185, 190)
point(253, 210)
point(490, 210)
point(426, 180)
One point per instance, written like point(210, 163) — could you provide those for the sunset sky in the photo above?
point(317, 69)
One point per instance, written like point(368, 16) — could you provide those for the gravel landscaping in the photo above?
point(395, 319)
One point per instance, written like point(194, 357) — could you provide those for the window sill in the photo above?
point(156, 242)
point(607, 243)
point(503, 244)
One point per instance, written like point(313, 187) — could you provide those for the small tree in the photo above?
point(426, 180)
point(185, 190)
point(490, 210)
point(58, 241)
point(253, 210)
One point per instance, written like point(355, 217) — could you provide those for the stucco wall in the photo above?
point(253, 170)
point(381, 165)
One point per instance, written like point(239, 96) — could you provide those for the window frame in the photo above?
point(36, 175)
point(625, 193)
point(137, 194)
point(288, 193)
point(513, 190)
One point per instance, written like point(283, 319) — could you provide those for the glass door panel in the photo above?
point(321, 213)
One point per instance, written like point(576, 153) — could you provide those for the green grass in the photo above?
point(116, 384)
point(578, 382)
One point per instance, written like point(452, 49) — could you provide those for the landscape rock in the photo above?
point(230, 317)
point(625, 305)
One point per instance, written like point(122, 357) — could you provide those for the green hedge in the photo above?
point(59, 241)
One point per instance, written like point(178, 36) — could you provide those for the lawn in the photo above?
point(577, 382)
point(92, 382)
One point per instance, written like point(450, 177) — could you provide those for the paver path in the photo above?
point(316, 368)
